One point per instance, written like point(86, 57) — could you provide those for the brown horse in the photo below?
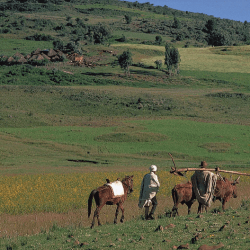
point(104, 195)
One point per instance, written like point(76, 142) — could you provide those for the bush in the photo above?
point(158, 40)
point(172, 59)
point(128, 19)
point(125, 60)
point(158, 64)
point(40, 37)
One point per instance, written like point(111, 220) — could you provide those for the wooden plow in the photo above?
point(176, 171)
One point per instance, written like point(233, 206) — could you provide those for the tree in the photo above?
point(219, 37)
point(99, 33)
point(58, 44)
point(176, 24)
point(128, 19)
point(211, 25)
point(172, 58)
point(125, 60)
point(158, 40)
point(158, 64)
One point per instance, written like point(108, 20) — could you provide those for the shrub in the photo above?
point(172, 59)
point(128, 19)
point(125, 60)
point(158, 64)
point(158, 40)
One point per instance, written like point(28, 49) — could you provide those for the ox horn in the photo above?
point(237, 180)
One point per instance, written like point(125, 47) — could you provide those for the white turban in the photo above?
point(153, 168)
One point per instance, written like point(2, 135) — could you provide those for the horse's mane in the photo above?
point(125, 178)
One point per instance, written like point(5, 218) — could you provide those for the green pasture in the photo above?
point(135, 12)
point(147, 141)
point(9, 46)
point(237, 80)
point(134, 36)
point(229, 230)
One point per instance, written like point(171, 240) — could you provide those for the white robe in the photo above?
point(204, 183)
point(149, 188)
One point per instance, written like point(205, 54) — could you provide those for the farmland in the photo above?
point(65, 128)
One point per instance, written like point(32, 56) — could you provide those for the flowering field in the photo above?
point(23, 194)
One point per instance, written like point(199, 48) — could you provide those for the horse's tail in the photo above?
point(90, 201)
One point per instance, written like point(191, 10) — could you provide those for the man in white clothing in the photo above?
point(149, 188)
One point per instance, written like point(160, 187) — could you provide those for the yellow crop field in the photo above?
point(203, 59)
point(23, 194)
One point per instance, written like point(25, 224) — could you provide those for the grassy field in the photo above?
point(62, 135)
point(192, 141)
point(201, 59)
point(229, 230)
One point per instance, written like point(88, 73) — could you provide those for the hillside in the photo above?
point(75, 20)
point(212, 87)
point(70, 117)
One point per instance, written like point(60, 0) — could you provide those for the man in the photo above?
point(204, 183)
point(149, 188)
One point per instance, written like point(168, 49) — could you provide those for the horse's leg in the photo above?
point(95, 215)
point(116, 213)
point(122, 218)
point(98, 212)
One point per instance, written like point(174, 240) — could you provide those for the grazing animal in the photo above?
point(225, 189)
point(183, 194)
point(104, 195)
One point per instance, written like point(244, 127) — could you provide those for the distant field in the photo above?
point(10, 46)
point(202, 59)
point(139, 36)
point(59, 149)
point(66, 127)
point(138, 13)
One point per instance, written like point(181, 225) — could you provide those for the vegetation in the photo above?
point(68, 124)
point(125, 60)
point(227, 230)
point(172, 59)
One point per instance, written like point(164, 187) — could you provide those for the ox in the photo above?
point(183, 194)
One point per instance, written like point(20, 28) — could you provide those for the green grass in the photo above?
point(10, 46)
point(134, 36)
point(189, 141)
point(230, 228)
point(220, 79)
point(106, 122)
point(100, 8)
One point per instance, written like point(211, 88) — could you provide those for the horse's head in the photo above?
point(128, 182)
